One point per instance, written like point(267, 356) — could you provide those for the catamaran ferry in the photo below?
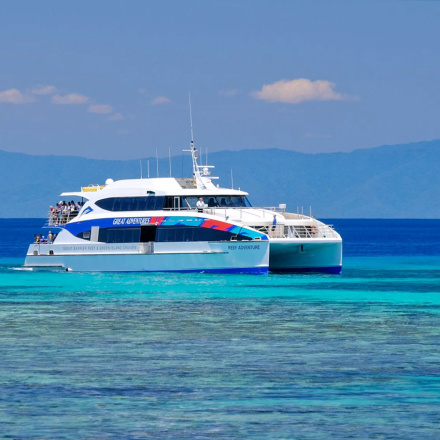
point(183, 225)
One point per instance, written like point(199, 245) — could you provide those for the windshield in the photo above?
point(220, 201)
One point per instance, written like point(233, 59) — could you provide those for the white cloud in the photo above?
point(160, 100)
point(43, 90)
point(100, 108)
point(116, 117)
point(71, 98)
point(14, 96)
point(299, 90)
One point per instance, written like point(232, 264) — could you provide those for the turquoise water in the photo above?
point(177, 356)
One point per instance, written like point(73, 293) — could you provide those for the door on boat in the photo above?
point(148, 233)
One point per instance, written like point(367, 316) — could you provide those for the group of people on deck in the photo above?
point(63, 211)
point(42, 239)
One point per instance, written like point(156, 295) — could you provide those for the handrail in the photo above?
point(299, 231)
point(60, 218)
point(277, 231)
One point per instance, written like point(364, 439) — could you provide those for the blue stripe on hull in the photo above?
point(333, 270)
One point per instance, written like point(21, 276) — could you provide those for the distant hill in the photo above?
point(398, 181)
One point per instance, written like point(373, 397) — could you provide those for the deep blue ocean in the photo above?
point(197, 356)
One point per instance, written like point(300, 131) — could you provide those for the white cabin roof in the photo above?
point(160, 186)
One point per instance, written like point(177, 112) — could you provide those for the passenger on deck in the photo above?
point(50, 237)
point(58, 211)
point(36, 238)
point(200, 205)
point(274, 225)
point(64, 212)
point(53, 216)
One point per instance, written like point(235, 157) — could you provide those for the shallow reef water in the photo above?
point(166, 356)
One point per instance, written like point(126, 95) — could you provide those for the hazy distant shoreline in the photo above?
point(399, 181)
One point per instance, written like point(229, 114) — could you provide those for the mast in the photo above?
point(201, 173)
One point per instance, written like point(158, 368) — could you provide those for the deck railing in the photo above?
point(299, 231)
point(277, 231)
point(60, 218)
point(259, 213)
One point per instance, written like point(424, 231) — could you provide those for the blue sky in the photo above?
point(107, 79)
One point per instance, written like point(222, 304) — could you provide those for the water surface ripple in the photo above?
point(134, 356)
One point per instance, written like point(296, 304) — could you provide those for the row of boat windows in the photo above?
point(161, 234)
point(158, 203)
point(132, 203)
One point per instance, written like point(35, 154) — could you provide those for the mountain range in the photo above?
point(394, 181)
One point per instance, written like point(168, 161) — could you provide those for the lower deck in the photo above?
point(230, 257)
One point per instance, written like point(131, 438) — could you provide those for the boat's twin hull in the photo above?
point(312, 255)
point(283, 255)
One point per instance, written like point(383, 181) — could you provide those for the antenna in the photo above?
point(191, 120)
point(232, 180)
point(192, 149)
point(148, 165)
point(200, 173)
point(140, 163)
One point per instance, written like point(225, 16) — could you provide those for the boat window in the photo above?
point(158, 203)
point(127, 204)
point(132, 203)
point(161, 234)
point(219, 201)
point(211, 202)
point(240, 202)
point(119, 235)
point(168, 204)
point(175, 202)
point(85, 235)
point(224, 201)
point(192, 201)
point(117, 205)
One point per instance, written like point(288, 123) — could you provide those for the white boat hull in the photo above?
point(306, 255)
point(221, 257)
